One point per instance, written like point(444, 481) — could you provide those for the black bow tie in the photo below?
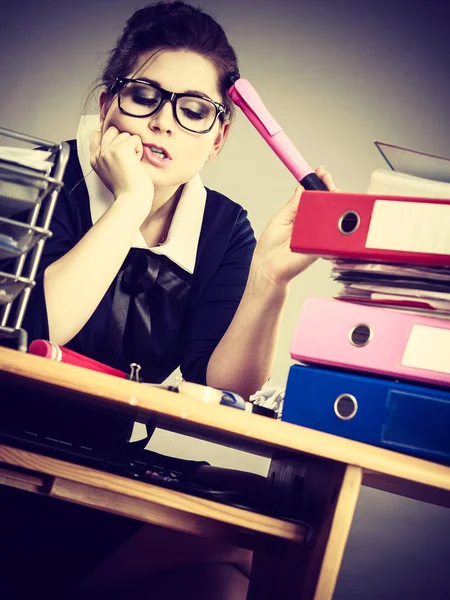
point(148, 304)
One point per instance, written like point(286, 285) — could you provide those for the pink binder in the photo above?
point(378, 340)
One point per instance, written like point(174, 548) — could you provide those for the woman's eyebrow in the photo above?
point(197, 93)
point(194, 92)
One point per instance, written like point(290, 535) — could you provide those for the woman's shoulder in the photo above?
point(72, 205)
point(73, 170)
point(219, 199)
point(225, 226)
point(221, 211)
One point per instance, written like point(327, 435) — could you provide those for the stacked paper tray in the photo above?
point(18, 238)
point(31, 173)
point(20, 188)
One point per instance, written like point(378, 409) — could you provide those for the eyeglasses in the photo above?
point(138, 98)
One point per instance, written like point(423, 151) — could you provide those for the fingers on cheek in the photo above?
point(112, 131)
point(109, 136)
point(136, 144)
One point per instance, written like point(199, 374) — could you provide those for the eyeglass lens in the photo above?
point(139, 100)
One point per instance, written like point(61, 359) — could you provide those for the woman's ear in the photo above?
point(219, 140)
point(105, 103)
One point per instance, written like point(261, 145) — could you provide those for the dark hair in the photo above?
point(173, 25)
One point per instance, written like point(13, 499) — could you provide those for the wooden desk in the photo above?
point(315, 474)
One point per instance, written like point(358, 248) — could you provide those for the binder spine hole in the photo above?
point(349, 222)
point(360, 335)
point(345, 406)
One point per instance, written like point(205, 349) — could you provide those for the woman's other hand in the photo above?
point(273, 255)
point(117, 159)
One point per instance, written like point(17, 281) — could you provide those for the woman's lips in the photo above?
point(156, 159)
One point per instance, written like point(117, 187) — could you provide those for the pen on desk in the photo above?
point(47, 349)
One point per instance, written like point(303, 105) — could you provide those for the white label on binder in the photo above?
point(428, 348)
point(410, 227)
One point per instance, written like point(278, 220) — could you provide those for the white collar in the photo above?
point(182, 240)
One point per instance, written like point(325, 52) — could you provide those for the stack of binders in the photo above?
point(376, 359)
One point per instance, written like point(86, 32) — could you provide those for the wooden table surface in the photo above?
point(382, 468)
point(287, 565)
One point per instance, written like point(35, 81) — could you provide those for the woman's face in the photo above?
point(178, 71)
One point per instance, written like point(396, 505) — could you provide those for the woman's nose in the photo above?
point(163, 120)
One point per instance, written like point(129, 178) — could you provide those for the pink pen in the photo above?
point(245, 96)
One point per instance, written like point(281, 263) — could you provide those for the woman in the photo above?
point(145, 265)
point(148, 153)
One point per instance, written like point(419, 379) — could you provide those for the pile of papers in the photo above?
point(418, 288)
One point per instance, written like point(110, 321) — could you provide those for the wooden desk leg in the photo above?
point(328, 550)
point(324, 494)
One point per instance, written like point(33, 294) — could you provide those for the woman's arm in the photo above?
point(243, 359)
point(75, 284)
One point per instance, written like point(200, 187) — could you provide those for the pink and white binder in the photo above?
point(377, 340)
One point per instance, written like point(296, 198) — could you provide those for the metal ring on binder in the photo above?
point(27, 200)
point(349, 222)
point(360, 335)
point(345, 406)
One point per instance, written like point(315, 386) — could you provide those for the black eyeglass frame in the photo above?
point(172, 97)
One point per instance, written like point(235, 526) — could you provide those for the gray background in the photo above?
point(337, 75)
